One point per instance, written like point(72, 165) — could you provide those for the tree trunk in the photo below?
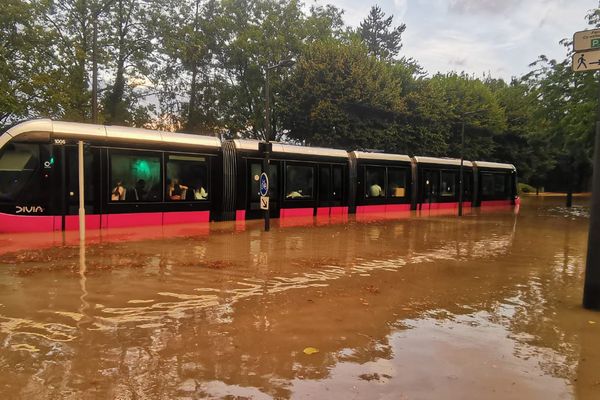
point(192, 117)
point(95, 69)
point(570, 190)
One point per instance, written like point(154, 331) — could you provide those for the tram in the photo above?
point(140, 177)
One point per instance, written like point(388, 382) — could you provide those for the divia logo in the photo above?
point(29, 209)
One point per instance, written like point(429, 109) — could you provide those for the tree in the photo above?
point(129, 40)
point(340, 96)
point(263, 33)
point(565, 114)
point(468, 100)
point(24, 65)
point(382, 40)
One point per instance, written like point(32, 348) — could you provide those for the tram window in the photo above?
point(396, 182)
point(187, 178)
point(375, 180)
point(338, 177)
point(19, 163)
point(448, 188)
point(324, 182)
point(487, 184)
point(299, 182)
point(467, 179)
point(499, 184)
point(135, 177)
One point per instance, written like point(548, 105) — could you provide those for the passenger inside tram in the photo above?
point(139, 192)
point(176, 190)
point(375, 191)
point(118, 192)
point(200, 194)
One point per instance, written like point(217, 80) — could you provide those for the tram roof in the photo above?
point(47, 129)
point(487, 164)
point(442, 161)
point(366, 155)
point(252, 145)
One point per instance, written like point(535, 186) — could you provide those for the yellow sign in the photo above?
point(264, 202)
point(586, 40)
point(586, 61)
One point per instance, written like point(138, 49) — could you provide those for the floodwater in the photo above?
point(433, 307)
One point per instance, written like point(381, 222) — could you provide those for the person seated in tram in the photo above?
point(175, 190)
point(118, 192)
point(138, 192)
point(200, 194)
point(375, 191)
point(294, 194)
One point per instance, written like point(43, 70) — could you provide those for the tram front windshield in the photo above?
point(18, 163)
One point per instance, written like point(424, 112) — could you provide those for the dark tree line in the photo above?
point(199, 66)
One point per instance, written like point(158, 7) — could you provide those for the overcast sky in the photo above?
point(500, 37)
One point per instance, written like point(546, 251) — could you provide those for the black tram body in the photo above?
point(303, 181)
point(142, 177)
point(438, 182)
point(384, 182)
point(496, 183)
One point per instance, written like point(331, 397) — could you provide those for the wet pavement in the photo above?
point(396, 307)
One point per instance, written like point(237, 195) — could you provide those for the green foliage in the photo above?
point(525, 188)
point(339, 95)
point(376, 31)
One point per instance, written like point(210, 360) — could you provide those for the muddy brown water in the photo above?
point(429, 307)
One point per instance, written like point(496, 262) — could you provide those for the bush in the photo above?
point(525, 188)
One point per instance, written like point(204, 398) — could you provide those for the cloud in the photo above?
point(482, 6)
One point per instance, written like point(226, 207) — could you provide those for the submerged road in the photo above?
point(394, 307)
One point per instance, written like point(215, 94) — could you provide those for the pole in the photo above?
point(591, 288)
point(267, 138)
point(81, 193)
point(460, 180)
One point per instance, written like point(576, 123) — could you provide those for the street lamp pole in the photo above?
point(462, 160)
point(266, 148)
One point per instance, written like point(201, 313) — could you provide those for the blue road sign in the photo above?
point(264, 184)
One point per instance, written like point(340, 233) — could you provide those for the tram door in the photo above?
point(331, 178)
point(91, 180)
point(430, 185)
point(254, 170)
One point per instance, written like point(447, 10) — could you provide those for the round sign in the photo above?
point(264, 184)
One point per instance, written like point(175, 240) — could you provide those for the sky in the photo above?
point(496, 37)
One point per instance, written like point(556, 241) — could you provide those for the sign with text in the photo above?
point(264, 202)
point(586, 61)
point(586, 40)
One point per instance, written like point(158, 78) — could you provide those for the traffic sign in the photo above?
point(586, 61)
point(264, 202)
point(263, 184)
point(586, 40)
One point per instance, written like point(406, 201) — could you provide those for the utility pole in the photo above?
point(462, 160)
point(591, 287)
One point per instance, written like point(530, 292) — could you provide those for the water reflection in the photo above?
point(417, 307)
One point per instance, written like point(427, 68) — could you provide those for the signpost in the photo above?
point(587, 59)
